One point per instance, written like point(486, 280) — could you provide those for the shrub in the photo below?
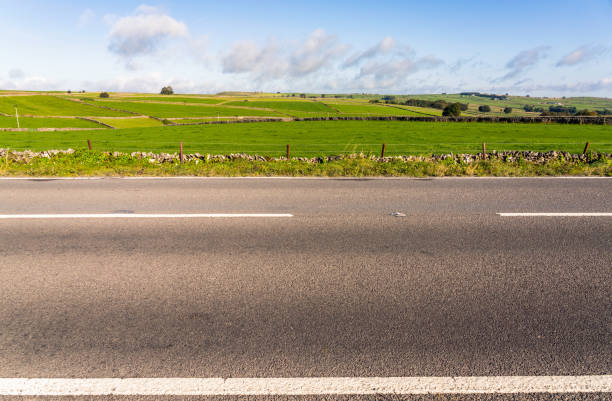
point(167, 90)
point(484, 109)
point(508, 110)
point(104, 94)
point(452, 110)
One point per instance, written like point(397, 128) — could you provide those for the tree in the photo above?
point(167, 90)
point(508, 110)
point(484, 109)
point(452, 110)
point(104, 94)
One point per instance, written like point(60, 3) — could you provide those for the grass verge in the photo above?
point(86, 163)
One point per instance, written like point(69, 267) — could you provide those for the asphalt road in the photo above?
point(341, 289)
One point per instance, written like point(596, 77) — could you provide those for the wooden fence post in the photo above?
point(181, 153)
point(89, 144)
point(288, 152)
point(382, 152)
point(586, 147)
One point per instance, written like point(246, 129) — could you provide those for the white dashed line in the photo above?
point(555, 214)
point(138, 215)
point(306, 386)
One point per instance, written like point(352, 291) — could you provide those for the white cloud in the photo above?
point(604, 84)
point(152, 83)
point(524, 61)
point(86, 17)
point(383, 47)
point(267, 62)
point(276, 61)
point(581, 55)
point(142, 33)
point(318, 51)
point(37, 83)
point(394, 73)
point(16, 73)
point(147, 9)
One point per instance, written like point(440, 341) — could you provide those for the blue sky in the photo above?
point(539, 47)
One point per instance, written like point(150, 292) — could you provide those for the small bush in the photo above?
point(508, 110)
point(484, 109)
point(167, 90)
point(452, 110)
point(104, 95)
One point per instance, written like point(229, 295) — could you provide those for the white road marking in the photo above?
point(555, 214)
point(137, 215)
point(307, 385)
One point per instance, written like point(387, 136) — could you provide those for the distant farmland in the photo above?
point(144, 122)
point(41, 105)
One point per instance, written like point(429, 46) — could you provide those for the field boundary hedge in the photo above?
point(468, 119)
point(489, 119)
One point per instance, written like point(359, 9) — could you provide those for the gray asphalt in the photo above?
point(341, 289)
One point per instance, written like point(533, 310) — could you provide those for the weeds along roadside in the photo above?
point(90, 163)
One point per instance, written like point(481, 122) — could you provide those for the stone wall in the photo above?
point(505, 156)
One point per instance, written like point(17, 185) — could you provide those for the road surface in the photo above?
point(326, 283)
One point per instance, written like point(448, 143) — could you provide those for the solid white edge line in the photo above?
point(307, 385)
point(555, 214)
point(138, 215)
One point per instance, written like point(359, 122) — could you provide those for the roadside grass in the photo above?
point(138, 122)
point(162, 110)
point(42, 105)
point(285, 105)
point(86, 163)
point(316, 138)
point(36, 122)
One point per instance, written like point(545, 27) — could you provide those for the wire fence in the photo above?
point(325, 149)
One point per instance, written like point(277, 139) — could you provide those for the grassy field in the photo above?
point(36, 122)
point(42, 105)
point(288, 105)
point(327, 137)
point(177, 99)
point(138, 122)
point(372, 109)
point(178, 110)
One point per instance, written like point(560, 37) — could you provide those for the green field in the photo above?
point(42, 105)
point(327, 137)
point(177, 99)
point(372, 109)
point(286, 105)
point(138, 122)
point(161, 110)
point(37, 122)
